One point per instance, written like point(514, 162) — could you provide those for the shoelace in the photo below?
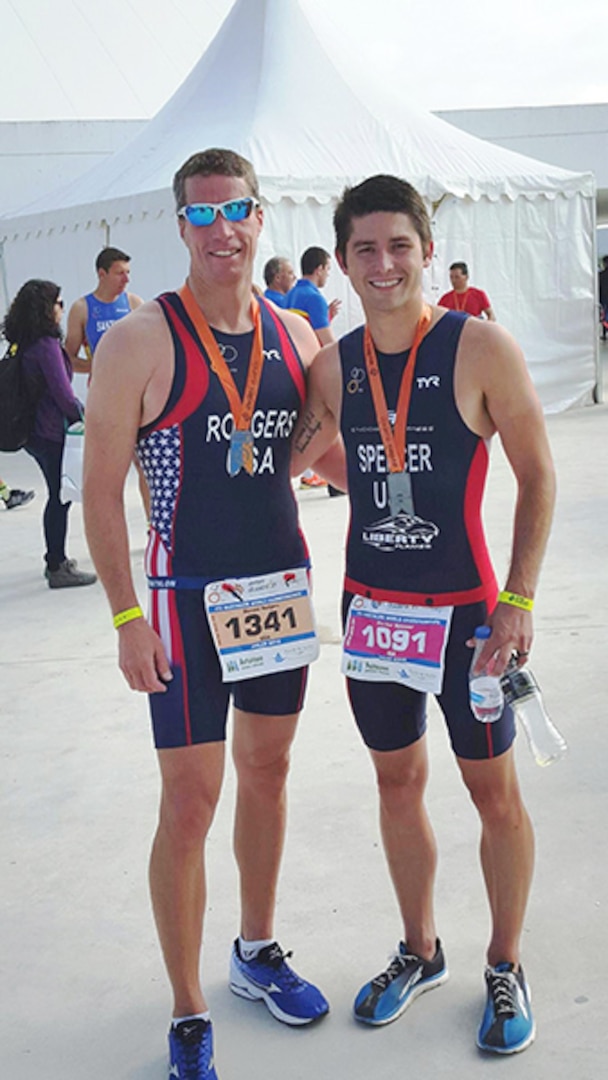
point(503, 988)
point(275, 958)
point(194, 1048)
point(396, 967)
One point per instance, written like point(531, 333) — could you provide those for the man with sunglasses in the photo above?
point(418, 392)
point(209, 381)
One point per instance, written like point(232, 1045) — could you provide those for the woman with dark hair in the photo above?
point(33, 326)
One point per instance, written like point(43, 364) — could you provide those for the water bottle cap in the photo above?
point(483, 632)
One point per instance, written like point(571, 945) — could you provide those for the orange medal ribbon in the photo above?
point(394, 440)
point(242, 410)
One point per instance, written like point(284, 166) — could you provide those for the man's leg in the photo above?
point(191, 783)
point(260, 748)
point(258, 968)
point(507, 858)
point(408, 839)
point(507, 849)
point(409, 845)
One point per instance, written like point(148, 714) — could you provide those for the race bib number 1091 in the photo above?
point(402, 643)
point(261, 625)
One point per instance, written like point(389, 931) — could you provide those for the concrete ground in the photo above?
point(84, 992)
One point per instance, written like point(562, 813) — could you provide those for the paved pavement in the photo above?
point(83, 989)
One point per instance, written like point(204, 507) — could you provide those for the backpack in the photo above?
point(18, 402)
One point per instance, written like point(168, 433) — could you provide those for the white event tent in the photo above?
point(266, 88)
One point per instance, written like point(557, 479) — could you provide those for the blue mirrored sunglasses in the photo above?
point(205, 213)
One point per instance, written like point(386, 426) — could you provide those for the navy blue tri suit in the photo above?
point(438, 558)
point(207, 525)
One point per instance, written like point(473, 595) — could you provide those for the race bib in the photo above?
point(402, 643)
point(261, 625)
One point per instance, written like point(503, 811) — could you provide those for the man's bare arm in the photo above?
point(489, 314)
point(114, 413)
point(75, 337)
point(317, 429)
point(511, 407)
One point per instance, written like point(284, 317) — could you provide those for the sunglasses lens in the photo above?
point(237, 210)
point(200, 214)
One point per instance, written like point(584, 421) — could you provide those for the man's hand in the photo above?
point(512, 632)
point(142, 658)
point(334, 307)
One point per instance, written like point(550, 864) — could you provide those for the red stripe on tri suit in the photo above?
point(197, 373)
point(474, 525)
point(179, 660)
point(290, 356)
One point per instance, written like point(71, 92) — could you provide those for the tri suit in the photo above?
point(101, 316)
point(206, 524)
point(438, 556)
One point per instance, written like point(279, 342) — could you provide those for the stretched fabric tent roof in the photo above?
point(266, 88)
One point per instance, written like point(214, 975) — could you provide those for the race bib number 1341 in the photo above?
point(261, 625)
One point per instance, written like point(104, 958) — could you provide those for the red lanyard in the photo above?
point(242, 411)
point(394, 440)
point(459, 306)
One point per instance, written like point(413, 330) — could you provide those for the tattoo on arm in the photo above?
point(310, 425)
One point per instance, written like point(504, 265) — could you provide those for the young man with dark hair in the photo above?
point(465, 297)
point(417, 394)
point(90, 316)
point(186, 379)
point(306, 298)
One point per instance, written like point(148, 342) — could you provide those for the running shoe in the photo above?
point(18, 498)
point(507, 1025)
point(389, 994)
point(268, 978)
point(312, 481)
point(191, 1051)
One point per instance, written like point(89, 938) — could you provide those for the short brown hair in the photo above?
point(384, 194)
point(214, 162)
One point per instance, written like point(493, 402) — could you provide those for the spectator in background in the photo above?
point(33, 325)
point(465, 297)
point(279, 277)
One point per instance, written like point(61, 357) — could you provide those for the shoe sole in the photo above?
point(429, 984)
point(511, 1049)
point(256, 994)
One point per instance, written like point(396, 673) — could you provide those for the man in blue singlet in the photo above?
point(214, 382)
point(418, 393)
point(90, 316)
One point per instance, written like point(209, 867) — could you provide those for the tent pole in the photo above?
point(598, 396)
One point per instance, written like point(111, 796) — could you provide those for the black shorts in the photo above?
point(391, 717)
point(194, 708)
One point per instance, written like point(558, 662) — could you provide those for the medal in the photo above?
point(240, 454)
point(400, 499)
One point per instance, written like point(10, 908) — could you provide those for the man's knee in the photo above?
point(496, 798)
point(263, 768)
point(187, 815)
point(401, 777)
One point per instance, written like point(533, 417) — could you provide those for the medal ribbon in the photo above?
point(242, 411)
point(394, 440)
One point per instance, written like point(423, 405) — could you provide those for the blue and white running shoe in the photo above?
point(267, 977)
point(191, 1051)
point(389, 994)
point(507, 1025)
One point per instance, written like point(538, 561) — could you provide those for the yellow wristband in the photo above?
point(515, 600)
point(123, 617)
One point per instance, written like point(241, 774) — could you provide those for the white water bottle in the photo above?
point(485, 692)
point(522, 692)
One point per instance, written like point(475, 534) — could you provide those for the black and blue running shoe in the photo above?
point(507, 1025)
point(389, 994)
